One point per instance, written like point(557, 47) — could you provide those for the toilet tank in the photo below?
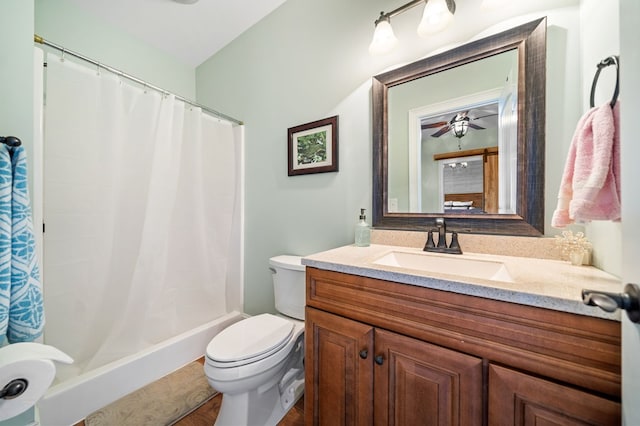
point(289, 285)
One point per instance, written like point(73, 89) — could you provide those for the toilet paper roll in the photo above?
point(38, 373)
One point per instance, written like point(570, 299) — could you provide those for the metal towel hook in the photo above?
point(611, 60)
point(10, 141)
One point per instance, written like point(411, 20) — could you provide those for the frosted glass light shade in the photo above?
point(383, 39)
point(436, 17)
point(460, 128)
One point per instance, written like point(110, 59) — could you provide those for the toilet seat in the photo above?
point(249, 341)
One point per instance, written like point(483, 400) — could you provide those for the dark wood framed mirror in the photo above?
point(524, 215)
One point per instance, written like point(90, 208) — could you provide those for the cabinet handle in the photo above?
point(378, 359)
point(610, 302)
point(364, 353)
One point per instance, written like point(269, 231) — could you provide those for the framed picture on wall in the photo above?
point(313, 147)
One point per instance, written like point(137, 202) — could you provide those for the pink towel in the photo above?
point(590, 187)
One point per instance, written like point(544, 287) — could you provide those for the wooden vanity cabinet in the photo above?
point(384, 353)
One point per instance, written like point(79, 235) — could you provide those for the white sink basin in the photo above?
point(447, 264)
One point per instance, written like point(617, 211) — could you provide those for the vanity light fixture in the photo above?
point(436, 16)
point(383, 37)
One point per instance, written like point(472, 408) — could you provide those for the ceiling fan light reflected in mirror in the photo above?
point(459, 128)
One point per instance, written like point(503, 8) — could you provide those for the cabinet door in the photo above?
point(519, 399)
point(338, 370)
point(417, 383)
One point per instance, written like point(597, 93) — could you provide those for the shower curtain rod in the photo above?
point(38, 39)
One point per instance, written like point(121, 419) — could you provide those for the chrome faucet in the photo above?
point(441, 247)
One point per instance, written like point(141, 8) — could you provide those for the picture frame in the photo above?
point(313, 147)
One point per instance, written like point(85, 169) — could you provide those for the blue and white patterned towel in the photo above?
point(21, 304)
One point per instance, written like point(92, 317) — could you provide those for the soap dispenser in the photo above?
point(363, 231)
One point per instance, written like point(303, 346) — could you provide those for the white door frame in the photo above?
point(415, 135)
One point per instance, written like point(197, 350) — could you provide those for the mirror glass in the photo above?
point(461, 135)
point(446, 115)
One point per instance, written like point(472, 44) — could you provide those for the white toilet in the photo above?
point(258, 363)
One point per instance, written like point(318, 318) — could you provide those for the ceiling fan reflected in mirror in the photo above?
point(459, 124)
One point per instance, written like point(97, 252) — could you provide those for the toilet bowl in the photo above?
point(258, 363)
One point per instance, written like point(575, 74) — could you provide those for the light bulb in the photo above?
point(460, 128)
point(383, 39)
point(436, 17)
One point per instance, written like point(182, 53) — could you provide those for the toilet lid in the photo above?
point(254, 337)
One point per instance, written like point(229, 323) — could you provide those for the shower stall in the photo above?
point(140, 194)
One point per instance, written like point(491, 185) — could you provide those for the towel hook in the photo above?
point(611, 60)
point(10, 141)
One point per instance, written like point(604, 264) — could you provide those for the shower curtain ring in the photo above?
point(62, 56)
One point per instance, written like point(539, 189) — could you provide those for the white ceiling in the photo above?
point(189, 32)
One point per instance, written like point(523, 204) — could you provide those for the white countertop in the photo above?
point(544, 283)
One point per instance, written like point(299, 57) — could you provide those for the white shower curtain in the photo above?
point(140, 194)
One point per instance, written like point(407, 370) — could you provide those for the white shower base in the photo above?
point(70, 401)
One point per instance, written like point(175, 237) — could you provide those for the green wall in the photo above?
point(64, 24)
point(308, 60)
point(16, 69)
point(16, 93)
